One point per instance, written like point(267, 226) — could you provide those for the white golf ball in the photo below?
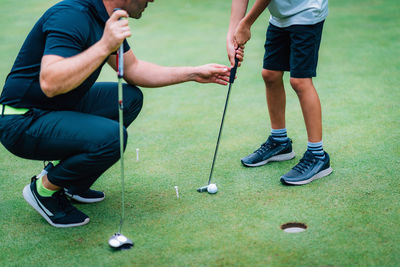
point(212, 188)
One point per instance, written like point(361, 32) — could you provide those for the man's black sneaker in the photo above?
point(90, 196)
point(271, 150)
point(308, 169)
point(57, 210)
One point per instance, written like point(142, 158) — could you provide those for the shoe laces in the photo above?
point(62, 201)
point(265, 147)
point(305, 163)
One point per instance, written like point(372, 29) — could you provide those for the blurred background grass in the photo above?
point(352, 215)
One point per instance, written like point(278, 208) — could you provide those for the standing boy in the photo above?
point(292, 43)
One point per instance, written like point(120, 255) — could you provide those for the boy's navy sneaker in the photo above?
point(271, 150)
point(308, 169)
point(90, 196)
point(57, 210)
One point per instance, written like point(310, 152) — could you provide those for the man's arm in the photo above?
point(238, 10)
point(242, 33)
point(147, 74)
point(59, 75)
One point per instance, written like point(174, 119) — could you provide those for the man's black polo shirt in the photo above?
point(66, 29)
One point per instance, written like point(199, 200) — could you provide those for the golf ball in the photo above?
point(212, 188)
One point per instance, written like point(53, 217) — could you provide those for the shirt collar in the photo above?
point(100, 10)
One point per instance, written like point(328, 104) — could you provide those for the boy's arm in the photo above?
point(238, 10)
point(242, 33)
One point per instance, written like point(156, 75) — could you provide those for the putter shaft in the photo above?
point(120, 64)
point(231, 80)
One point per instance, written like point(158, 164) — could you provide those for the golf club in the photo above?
point(119, 241)
point(231, 80)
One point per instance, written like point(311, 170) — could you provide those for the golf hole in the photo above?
point(293, 227)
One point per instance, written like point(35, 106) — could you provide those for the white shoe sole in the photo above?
point(84, 200)
point(29, 197)
point(321, 174)
point(282, 157)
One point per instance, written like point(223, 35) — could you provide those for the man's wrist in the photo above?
point(192, 74)
point(102, 49)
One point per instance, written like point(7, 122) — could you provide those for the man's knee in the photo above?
point(133, 96)
point(271, 76)
point(133, 101)
point(108, 145)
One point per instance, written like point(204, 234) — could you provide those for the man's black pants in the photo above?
point(85, 140)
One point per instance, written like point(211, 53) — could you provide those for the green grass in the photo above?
point(353, 215)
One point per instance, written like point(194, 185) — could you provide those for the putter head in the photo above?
point(202, 189)
point(120, 242)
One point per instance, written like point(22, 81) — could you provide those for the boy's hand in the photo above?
point(233, 49)
point(242, 33)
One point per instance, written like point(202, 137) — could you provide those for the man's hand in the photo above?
point(211, 73)
point(147, 74)
point(116, 31)
point(242, 33)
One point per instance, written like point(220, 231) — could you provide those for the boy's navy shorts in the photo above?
point(294, 48)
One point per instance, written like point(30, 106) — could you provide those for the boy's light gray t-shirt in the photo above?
point(303, 12)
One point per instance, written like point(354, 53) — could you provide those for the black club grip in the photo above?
point(233, 71)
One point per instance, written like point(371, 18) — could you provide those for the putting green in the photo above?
point(352, 215)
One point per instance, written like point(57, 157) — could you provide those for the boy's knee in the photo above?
point(301, 84)
point(271, 76)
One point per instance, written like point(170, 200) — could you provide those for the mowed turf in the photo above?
point(352, 215)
